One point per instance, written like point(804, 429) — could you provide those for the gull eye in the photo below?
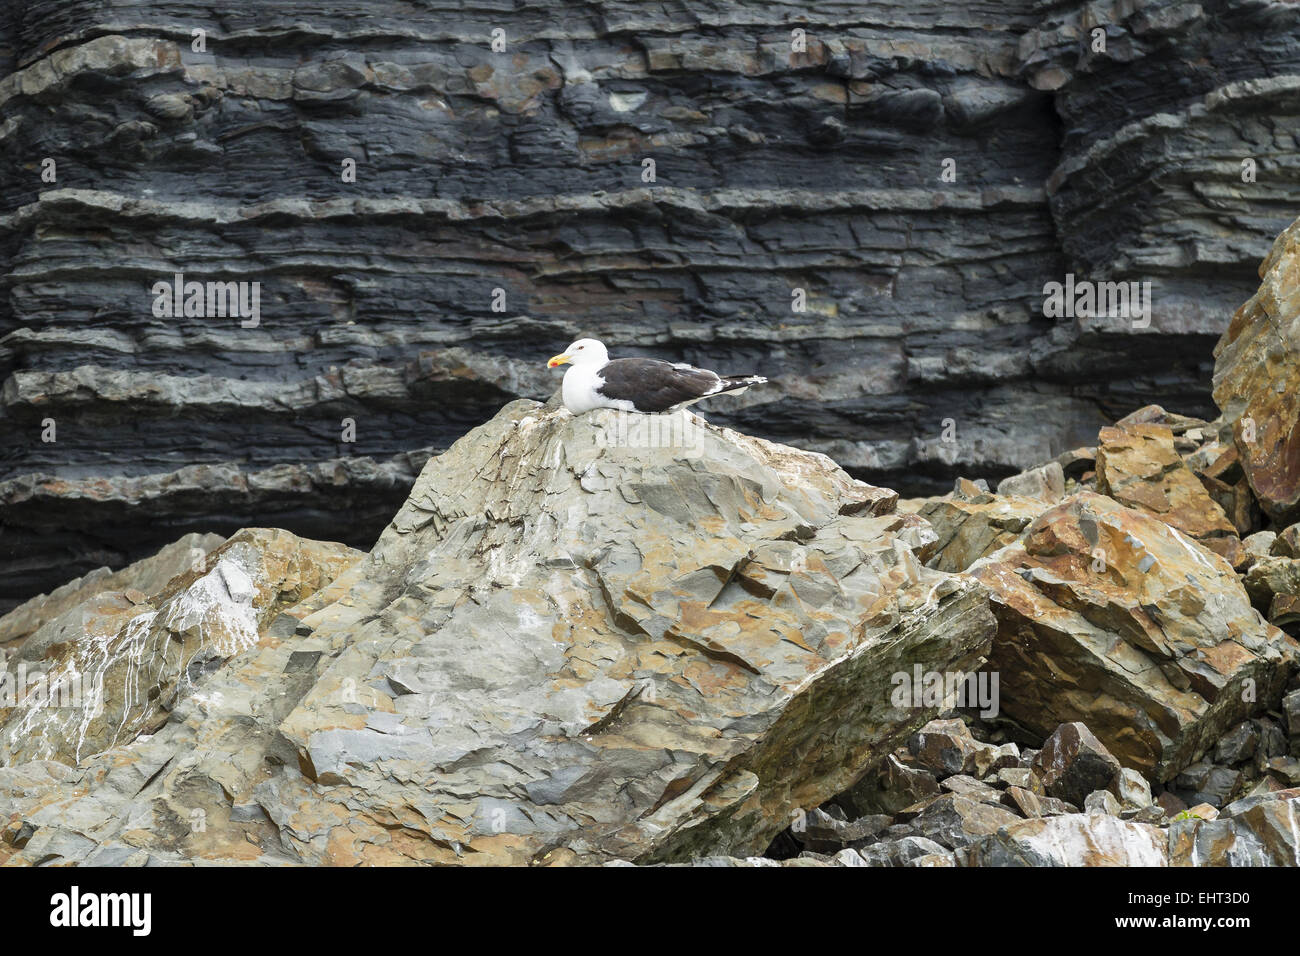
point(581, 347)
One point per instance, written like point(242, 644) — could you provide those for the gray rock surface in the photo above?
point(1256, 831)
point(1074, 839)
point(118, 665)
point(902, 852)
point(569, 646)
point(586, 640)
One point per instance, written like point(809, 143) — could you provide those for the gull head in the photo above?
point(581, 352)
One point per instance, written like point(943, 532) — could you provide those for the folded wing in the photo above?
point(655, 386)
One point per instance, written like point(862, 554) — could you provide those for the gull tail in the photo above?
point(738, 383)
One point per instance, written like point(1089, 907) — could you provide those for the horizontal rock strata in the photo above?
point(522, 172)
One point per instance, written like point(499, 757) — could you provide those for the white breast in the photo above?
point(579, 390)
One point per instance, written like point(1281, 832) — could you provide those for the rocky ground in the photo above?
point(580, 643)
point(522, 171)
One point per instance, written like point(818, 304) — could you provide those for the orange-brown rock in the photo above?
point(1109, 616)
point(972, 522)
point(1139, 467)
point(1218, 466)
point(1257, 380)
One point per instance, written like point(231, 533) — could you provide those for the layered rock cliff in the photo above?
point(522, 171)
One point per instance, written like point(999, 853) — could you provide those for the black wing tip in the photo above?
point(741, 381)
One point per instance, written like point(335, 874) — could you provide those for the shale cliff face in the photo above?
point(501, 206)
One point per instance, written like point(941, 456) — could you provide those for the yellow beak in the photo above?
point(560, 359)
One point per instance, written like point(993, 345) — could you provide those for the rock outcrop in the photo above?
point(1110, 616)
point(147, 576)
point(522, 171)
point(645, 639)
point(576, 643)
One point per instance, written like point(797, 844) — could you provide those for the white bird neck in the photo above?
point(579, 386)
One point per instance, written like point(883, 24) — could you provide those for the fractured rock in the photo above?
point(1031, 803)
point(1046, 483)
point(1204, 782)
point(1138, 466)
point(1073, 764)
point(1109, 616)
point(1257, 380)
point(1256, 831)
point(606, 647)
point(901, 852)
point(1238, 744)
point(892, 788)
point(821, 832)
point(955, 820)
point(944, 747)
point(147, 576)
point(1075, 839)
point(1102, 801)
point(1131, 789)
point(1023, 777)
point(118, 671)
point(971, 523)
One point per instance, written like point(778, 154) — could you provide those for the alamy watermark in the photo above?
point(1086, 299)
point(639, 430)
point(34, 688)
point(923, 688)
point(208, 300)
point(77, 909)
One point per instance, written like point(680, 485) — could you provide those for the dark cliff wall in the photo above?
point(522, 170)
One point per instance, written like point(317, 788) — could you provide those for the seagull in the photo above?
point(636, 384)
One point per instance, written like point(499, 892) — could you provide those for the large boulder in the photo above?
point(1109, 616)
point(579, 642)
point(1257, 380)
point(1255, 831)
point(1073, 839)
point(1073, 763)
point(582, 640)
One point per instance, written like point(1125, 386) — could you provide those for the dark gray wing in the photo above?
point(655, 386)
